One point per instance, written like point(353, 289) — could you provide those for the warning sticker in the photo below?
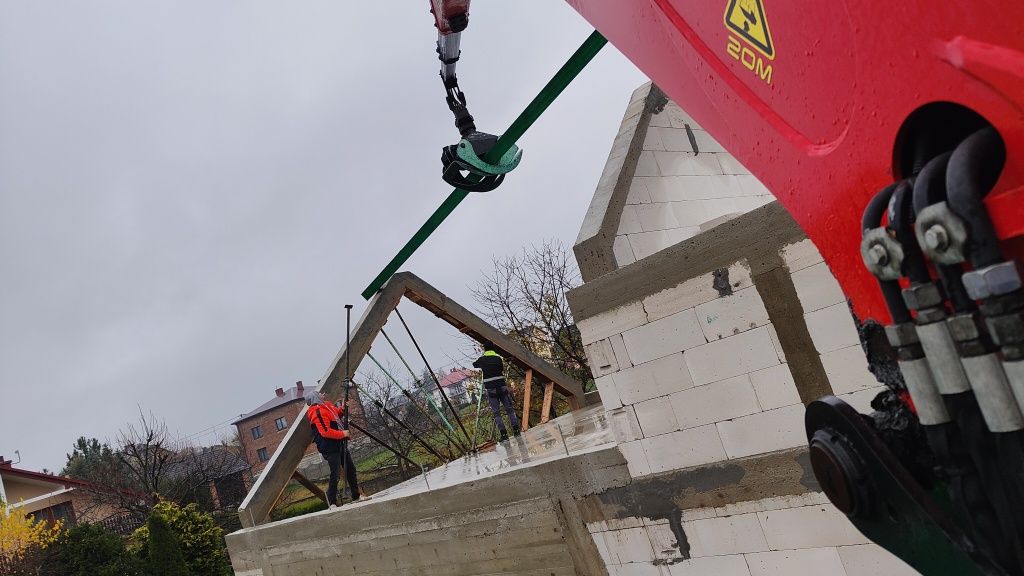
point(746, 19)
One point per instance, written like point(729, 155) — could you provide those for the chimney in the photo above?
point(279, 392)
point(298, 387)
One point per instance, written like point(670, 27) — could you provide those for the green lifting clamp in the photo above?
point(464, 159)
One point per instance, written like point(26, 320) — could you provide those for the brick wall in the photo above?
point(272, 437)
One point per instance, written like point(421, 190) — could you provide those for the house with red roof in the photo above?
point(50, 497)
point(460, 385)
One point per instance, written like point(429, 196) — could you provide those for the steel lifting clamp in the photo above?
point(464, 166)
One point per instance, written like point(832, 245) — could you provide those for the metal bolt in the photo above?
point(936, 238)
point(878, 255)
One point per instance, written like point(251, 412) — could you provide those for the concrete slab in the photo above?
point(514, 510)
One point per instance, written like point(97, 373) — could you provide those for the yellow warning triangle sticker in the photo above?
point(746, 18)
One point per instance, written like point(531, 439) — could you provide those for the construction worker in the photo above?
point(325, 420)
point(493, 368)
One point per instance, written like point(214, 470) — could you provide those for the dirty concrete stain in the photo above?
point(808, 480)
point(721, 282)
point(666, 496)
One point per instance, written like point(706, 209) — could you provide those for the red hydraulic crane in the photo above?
point(894, 135)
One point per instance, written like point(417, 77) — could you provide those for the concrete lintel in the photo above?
point(756, 237)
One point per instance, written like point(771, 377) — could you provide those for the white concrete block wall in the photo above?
point(831, 326)
point(693, 366)
point(676, 192)
point(691, 377)
point(785, 536)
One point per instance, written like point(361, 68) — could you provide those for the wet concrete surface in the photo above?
point(574, 433)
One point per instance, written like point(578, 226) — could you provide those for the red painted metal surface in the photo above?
point(443, 10)
point(816, 116)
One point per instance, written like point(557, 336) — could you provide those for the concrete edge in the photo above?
point(756, 236)
point(573, 477)
point(593, 247)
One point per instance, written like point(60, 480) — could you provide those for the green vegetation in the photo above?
point(164, 555)
point(299, 509)
point(201, 541)
point(89, 550)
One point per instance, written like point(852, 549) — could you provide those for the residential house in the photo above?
point(261, 430)
point(227, 473)
point(52, 498)
point(459, 385)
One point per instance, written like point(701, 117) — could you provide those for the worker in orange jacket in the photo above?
point(325, 420)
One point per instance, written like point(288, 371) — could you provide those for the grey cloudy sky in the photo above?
point(190, 192)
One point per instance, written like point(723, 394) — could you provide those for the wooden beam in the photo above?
point(475, 327)
point(545, 410)
point(309, 485)
point(256, 507)
point(260, 500)
point(527, 389)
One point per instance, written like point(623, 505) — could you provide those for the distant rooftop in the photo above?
point(458, 375)
point(281, 397)
point(8, 470)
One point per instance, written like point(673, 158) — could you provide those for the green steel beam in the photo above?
point(565, 75)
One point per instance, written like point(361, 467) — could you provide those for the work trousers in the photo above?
point(497, 397)
point(336, 461)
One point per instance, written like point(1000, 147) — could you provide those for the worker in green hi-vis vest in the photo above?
point(496, 388)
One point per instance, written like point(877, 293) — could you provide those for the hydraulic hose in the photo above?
point(890, 288)
point(974, 168)
point(930, 188)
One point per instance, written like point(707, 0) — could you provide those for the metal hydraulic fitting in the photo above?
point(882, 254)
point(964, 327)
point(936, 238)
point(969, 333)
point(941, 234)
point(921, 296)
point(903, 334)
point(1004, 318)
point(1007, 329)
point(995, 280)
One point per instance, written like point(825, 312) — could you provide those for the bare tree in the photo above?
point(146, 464)
point(414, 413)
point(524, 297)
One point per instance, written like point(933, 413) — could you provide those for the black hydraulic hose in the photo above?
point(930, 188)
point(973, 170)
point(890, 288)
point(902, 212)
point(432, 374)
point(876, 207)
point(930, 184)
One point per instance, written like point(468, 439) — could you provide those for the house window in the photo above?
point(257, 433)
point(262, 453)
point(280, 423)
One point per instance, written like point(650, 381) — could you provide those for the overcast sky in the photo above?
point(191, 191)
